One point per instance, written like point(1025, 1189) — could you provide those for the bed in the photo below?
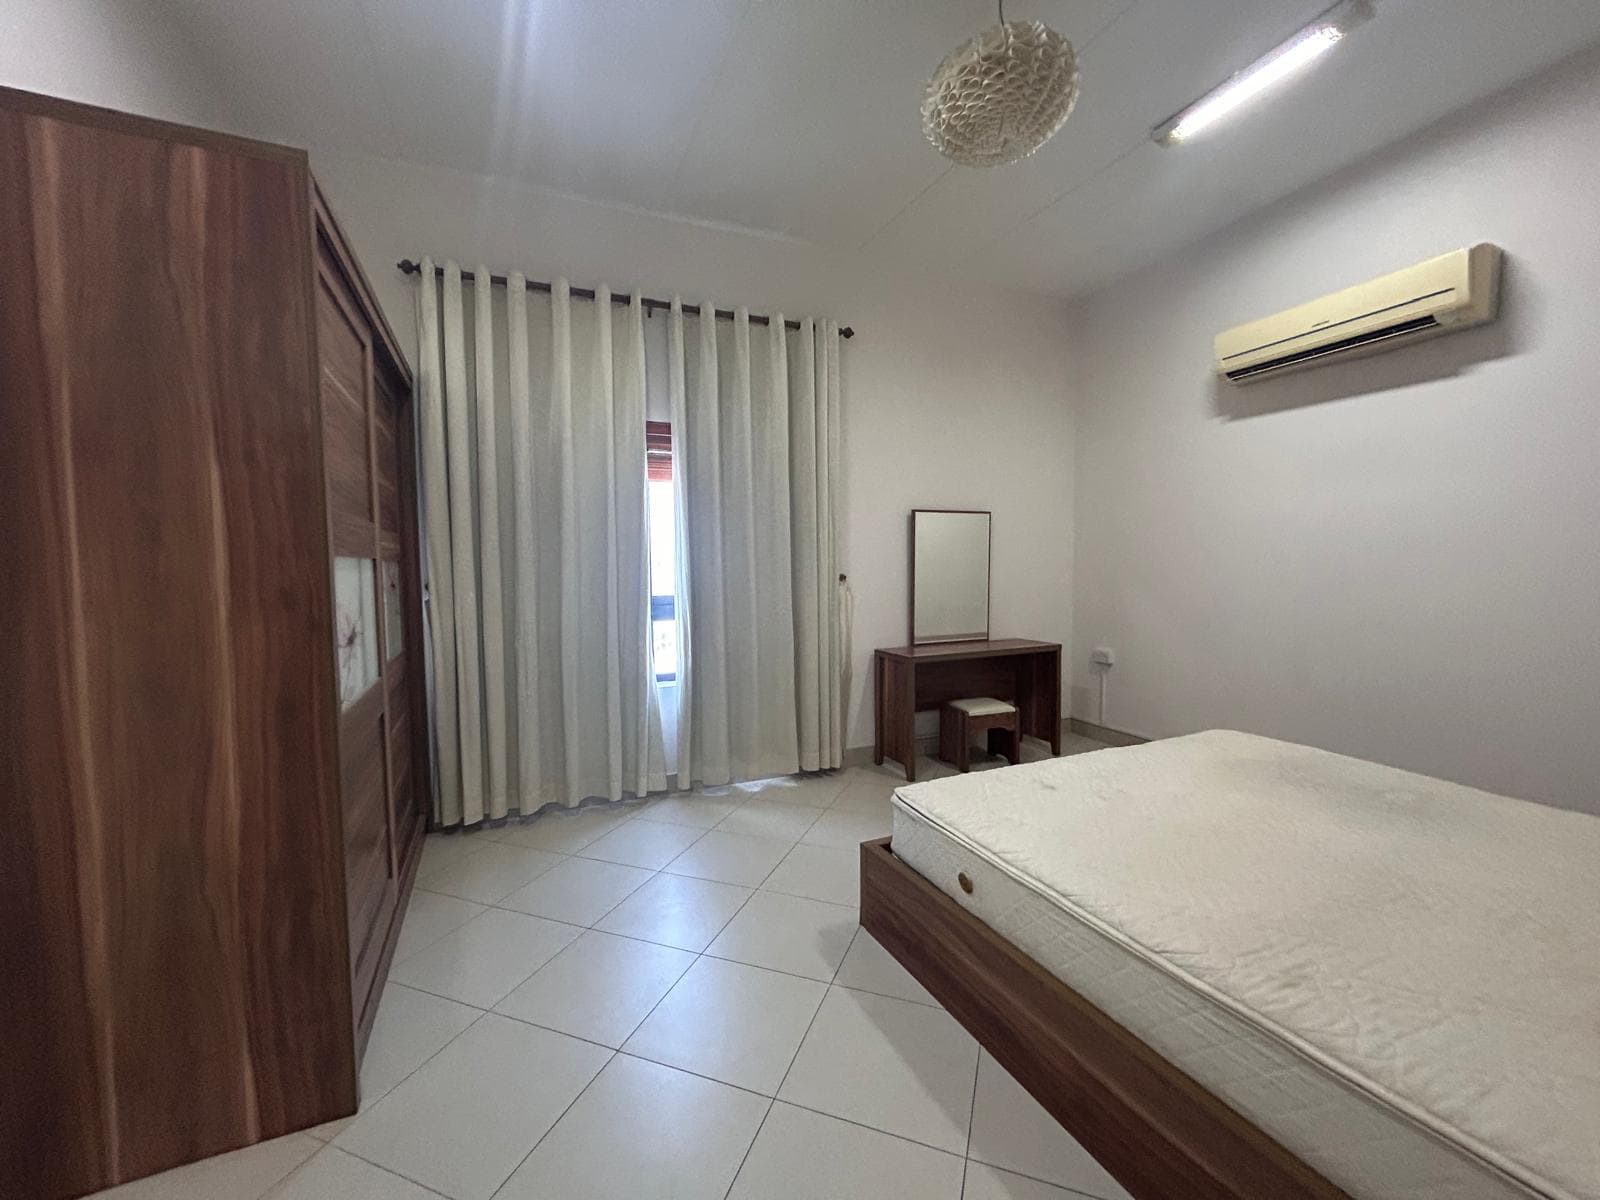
point(1236, 967)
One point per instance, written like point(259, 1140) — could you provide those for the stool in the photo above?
point(960, 719)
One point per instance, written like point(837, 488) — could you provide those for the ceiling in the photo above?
point(801, 116)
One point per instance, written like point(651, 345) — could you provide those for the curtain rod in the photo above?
point(693, 310)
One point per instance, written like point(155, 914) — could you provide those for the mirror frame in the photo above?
point(911, 579)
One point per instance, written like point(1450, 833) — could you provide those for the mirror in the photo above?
point(949, 576)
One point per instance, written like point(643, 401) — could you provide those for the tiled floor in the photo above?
point(666, 999)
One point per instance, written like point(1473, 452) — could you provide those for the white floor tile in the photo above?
point(442, 849)
point(565, 831)
point(1011, 1130)
point(990, 1183)
point(900, 1067)
point(866, 792)
point(238, 1175)
point(429, 916)
point(731, 1022)
point(676, 910)
point(578, 891)
point(802, 1155)
point(649, 844)
point(410, 1028)
point(788, 933)
point(847, 827)
point(868, 967)
point(642, 1132)
point(928, 767)
point(488, 874)
point(696, 811)
point(462, 1123)
point(484, 959)
point(762, 817)
point(826, 873)
point(731, 858)
point(331, 1174)
point(598, 988)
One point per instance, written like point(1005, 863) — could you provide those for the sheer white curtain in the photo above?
point(755, 416)
point(533, 439)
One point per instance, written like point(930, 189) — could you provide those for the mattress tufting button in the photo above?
point(966, 884)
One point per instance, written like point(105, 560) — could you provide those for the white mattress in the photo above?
point(1396, 977)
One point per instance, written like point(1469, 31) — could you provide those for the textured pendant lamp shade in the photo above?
point(1002, 95)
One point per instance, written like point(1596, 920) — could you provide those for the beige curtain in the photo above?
point(755, 415)
point(533, 449)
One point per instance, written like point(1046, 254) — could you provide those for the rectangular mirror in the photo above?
point(949, 576)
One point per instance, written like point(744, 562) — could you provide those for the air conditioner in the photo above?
point(1445, 294)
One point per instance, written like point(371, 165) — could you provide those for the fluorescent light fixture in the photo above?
point(1272, 68)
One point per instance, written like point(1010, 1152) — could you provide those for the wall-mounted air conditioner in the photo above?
point(1445, 294)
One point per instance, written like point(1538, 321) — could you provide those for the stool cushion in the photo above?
point(983, 706)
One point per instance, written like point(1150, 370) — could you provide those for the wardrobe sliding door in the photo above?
point(363, 409)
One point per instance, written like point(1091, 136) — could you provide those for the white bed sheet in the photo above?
point(1396, 977)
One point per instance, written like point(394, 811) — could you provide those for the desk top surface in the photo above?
point(947, 651)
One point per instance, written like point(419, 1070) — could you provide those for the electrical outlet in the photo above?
point(1103, 656)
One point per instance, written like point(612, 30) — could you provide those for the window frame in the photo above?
point(658, 469)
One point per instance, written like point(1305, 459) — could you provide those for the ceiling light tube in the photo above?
point(1305, 47)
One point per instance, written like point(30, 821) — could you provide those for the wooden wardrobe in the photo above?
point(212, 713)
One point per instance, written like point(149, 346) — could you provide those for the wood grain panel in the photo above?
point(385, 462)
point(345, 351)
point(180, 852)
point(363, 790)
point(1161, 1134)
point(54, 1056)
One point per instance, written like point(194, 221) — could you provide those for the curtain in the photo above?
point(533, 471)
point(755, 414)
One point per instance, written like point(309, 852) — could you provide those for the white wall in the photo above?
point(954, 396)
point(1397, 558)
point(123, 54)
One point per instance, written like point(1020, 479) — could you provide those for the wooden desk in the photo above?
point(912, 679)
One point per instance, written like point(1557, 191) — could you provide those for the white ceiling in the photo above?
point(801, 116)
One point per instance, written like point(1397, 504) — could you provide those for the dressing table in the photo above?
point(951, 656)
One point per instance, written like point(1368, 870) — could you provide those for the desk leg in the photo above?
point(908, 721)
point(1052, 685)
point(879, 707)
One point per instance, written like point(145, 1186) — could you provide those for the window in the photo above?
point(663, 549)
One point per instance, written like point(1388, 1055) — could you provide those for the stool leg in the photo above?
point(963, 745)
point(947, 735)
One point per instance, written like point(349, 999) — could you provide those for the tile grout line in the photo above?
point(785, 1079)
point(499, 1187)
point(375, 1165)
point(614, 1052)
point(972, 1119)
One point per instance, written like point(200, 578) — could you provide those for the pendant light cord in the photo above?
point(1002, 6)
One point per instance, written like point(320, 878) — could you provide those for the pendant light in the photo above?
point(1001, 96)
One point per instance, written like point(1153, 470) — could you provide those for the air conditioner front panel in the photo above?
point(1449, 292)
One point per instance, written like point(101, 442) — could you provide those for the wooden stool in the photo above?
point(960, 719)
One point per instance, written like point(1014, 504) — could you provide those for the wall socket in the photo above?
point(1103, 656)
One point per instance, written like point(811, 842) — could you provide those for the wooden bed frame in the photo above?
point(1161, 1134)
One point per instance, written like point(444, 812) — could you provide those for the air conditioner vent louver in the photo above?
point(1452, 292)
point(1305, 357)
